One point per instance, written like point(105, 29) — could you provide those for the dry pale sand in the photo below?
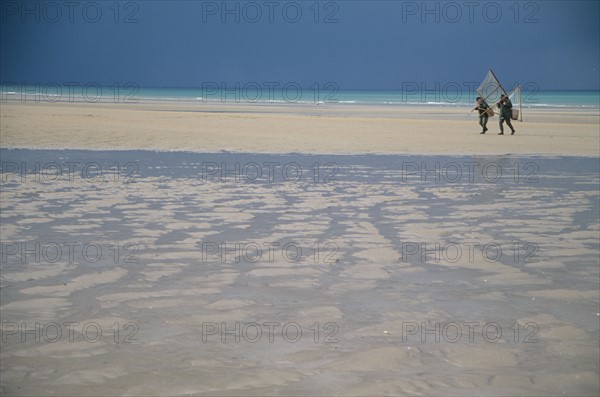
point(273, 128)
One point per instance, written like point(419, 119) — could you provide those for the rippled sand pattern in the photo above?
point(367, 305)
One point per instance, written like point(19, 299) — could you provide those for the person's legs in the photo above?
point(501, 126)
point(484, 125)
point(508, 123)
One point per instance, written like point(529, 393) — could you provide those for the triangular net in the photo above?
point(490, 89)
point(515, 98)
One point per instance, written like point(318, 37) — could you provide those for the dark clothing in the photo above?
point(483, 115)
point(505, 109)
point(483, 119)
point(482, 107)
point(508, 123)
point(505, 115)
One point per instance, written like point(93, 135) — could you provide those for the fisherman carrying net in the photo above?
point(482, 107)
point(505, 106)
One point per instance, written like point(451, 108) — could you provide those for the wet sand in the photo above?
point(378, 311)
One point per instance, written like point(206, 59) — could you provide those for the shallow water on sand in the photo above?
point(251, 274)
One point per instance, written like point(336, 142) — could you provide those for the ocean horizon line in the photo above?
point(327, 93)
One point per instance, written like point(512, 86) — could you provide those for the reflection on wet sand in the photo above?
point(378, 281)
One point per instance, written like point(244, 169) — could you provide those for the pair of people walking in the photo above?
point(505, 113)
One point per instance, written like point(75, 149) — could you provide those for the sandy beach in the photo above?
point(395, 252)
point(296, 198)
point(292, 128)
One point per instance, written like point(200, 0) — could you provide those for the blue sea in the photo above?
point(289, 93)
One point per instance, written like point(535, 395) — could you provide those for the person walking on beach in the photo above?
point(482, 107)
point(505, 106)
